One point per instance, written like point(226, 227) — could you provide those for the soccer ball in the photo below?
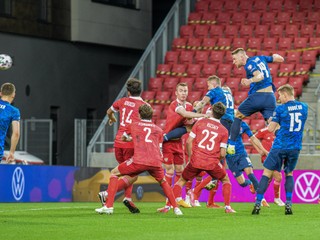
point(212, 184)
point(5, 62)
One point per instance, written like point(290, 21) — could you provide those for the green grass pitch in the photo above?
point(79, 221)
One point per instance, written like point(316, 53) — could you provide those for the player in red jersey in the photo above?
point(147, 139)
point(267, 139)
point(128, 113)
point(206, 145)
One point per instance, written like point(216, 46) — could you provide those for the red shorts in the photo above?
point(173, 153)
point(133, 169)
point(190, 172)
point(123, 154)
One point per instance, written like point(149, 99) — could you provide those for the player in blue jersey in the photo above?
point(9, 115)
point(261, 94)
point(291, 116)
point(217, 94)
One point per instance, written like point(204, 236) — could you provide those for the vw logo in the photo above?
point(18, 183)
point(307, 186)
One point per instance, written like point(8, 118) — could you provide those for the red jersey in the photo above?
point(174, 119)
point(128, 108)
point(209, 136)
point(146, 138)
point(266, 139)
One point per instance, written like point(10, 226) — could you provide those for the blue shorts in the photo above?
point(237, 163)
point(259, 102)
point(226, 123)
point(278, 157)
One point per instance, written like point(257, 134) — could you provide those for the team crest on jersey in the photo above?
point(250, 67)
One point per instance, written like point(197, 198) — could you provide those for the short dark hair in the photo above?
point(7, 89)
point(218, 110)
point(146, 112)
point(134, 87)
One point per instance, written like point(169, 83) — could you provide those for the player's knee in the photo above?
point(169, 168)
point(178, 168)
point(238, 114)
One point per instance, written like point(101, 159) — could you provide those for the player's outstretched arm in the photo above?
point(200, 105)
point(111, 116)
point(273, 126)
point(187, 114)
point(277, 58)
point(258, 146)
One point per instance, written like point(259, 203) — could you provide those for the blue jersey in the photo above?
point(239, 146)
point(8, 113)
point(291, 117)
point(259, 63)
point(220, 95)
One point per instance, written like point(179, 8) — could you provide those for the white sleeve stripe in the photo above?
point(178, 108)
point(114, 110)
point(192, 135)
point(223, 145)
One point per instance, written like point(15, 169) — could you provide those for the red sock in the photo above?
point(276, 188)
point(188, 185)
point(112, 190)
point(177, 189)
point(203, 183)
point(123, 183)
point(177, 177)
point(168, 192)
point(168, 177)
point(196, 196)
point(226, 192)
point(212, 193)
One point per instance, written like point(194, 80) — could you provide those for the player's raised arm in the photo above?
point(277, 58)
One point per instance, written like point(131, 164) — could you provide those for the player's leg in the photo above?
point(276, 188)
point(212, 193)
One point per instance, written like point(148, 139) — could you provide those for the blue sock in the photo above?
point(289, 188)
point(246, 183)
point(263, 185)
point(175, 133)
point(235, 129)
point(254, 180)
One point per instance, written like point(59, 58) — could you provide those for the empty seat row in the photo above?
point(261, 30)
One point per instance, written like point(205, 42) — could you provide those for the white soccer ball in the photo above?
point(5, 62)
point(212, 184)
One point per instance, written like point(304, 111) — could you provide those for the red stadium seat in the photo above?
point(201, 57)
point(238, 18)
point(286, 68)
point(313, 18)
point(201, 31)
point(254, 43)
point(257, 124)
point(260, 6)
point(282, 53)
point(300, 43)
point(186, 31)
point(200, 84)
point(157, 112)
point(194, 44)
point(254, 18)
point(224, 70)
point(283, 18)
point(231, 31)
point(186, 57)
point(161, 123)
point(317, 33)
point(299, 17)
point(315, 42)
point(163, 70)
point(216, 31)
point(316, 6)
point(274, 68)
point(310, 57)
point(231, 6)
point(238, 72)
point(275, 6)
point(239, 97)
point(233, 84)
point(224, 43)
point(223, 18)
point(276, 30)
point(163, 97)
point(297, 84)
point(292, 30)
point(216, 57)
point(178, 70)
point(202, 6)
point(209, 18)
point(307, 30)
point(285, 44)
point(216, 6)
point(194, 70)
point(194, 18)
point(209, 70)
point(270, 44)
point(228, 58)
point(179, 44)
point(209, 43)
point(189, 81)
point(261, 31)
point(303, 70)
point(239, 43)
point(305, 5)
point(245, 6)
point(293, 57)
point(171, 57)
point(155, 84)
point(169, 84)
point(290, 6)
point(279, 81)
point(246, 31)
point(148, 96)
point(268, 18)
point(194, 96)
